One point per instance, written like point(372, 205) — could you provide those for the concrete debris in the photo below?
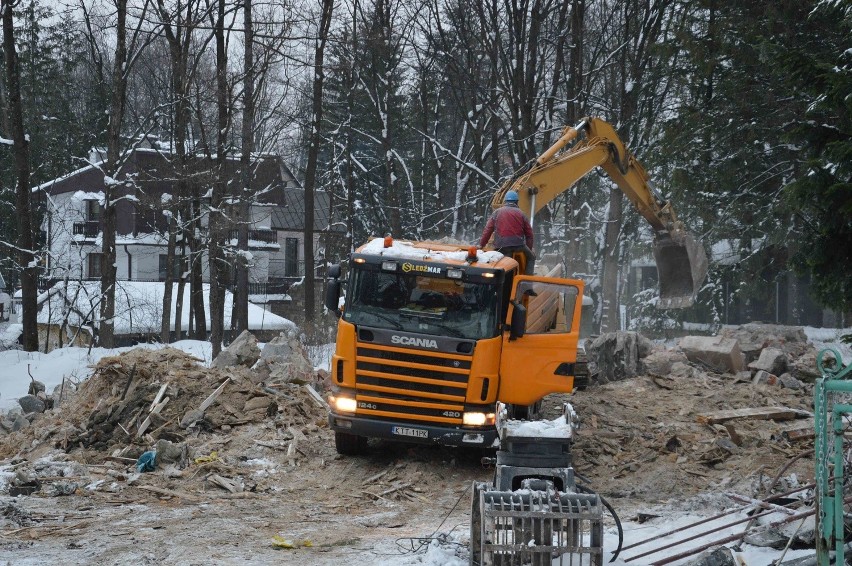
point(789, 381)
point(36, 387)
point(772, 360)
point(716, 353)
point(284, 360)
point(243, 351)
point(32, 404)
point(660, 362)
point(716, 557)
point(617, 355)
point(764, 377)
point(754, 337)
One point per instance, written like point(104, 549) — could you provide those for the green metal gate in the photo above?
point(833, 453)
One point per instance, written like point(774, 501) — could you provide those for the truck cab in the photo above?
point(431, 336)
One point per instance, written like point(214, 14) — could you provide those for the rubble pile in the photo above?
point(167, 404)
point(708, 413)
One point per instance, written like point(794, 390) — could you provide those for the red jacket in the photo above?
point(510, 228)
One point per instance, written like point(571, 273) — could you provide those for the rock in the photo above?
point(754, 337)
point(64, 488)
point(20, 423)
point(769, 538)
point(660, 362)
point(721, 556)
point(804, 368)
point(680, 369)
point(716, 352)
point(191, 418)
point(36, 387)
point(764, 377)
point(616, 355)
point(62, 394)
point(284, 360)
point(241, 352)
point(789, 381)
point(171, 453)
point(257, 403)
point(31, 404)
point(772, 360)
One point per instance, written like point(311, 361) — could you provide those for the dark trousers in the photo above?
point(530, 256)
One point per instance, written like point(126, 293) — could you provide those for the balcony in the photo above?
point(265, 236)
point(88, 229)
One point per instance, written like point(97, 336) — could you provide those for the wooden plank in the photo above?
point(168, 492)
point(757, 413)
point(316, 397)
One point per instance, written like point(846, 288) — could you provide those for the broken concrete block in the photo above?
point(804, 368)
point(772, 360)
point(256, 403)
point(754, 337)
point(717, 557)
point(241, 352)
point(789, 381)
point(680, 369)
point(36, 387)
point(770, 538)
point(715, 352)
point(616, 355)
point(660, 362)
point(765, 378)
point(171, 453)
point(31, 404)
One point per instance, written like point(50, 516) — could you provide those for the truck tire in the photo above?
point(349, 444)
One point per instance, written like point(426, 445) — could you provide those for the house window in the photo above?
point(291, 257)
point(176, 266)
point(95, 261)
point(93, 210)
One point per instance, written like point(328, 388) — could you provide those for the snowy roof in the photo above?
point(427, 251)
point(138, 307)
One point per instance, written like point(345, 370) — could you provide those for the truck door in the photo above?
point(542, 360)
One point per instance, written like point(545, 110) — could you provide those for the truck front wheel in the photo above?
point(349, 444)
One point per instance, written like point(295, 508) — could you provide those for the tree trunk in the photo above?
point(241, 295)
point(26, 240)
point(111, 169)
point(215, 219)
point(313, 154)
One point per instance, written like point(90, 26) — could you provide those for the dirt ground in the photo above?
point(293, 500)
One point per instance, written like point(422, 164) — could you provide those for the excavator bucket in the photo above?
point(681, 267)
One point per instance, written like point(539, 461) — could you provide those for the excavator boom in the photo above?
point(681, 260)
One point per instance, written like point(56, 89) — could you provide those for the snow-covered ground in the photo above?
point(17, 367)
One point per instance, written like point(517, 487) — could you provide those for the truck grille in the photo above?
point(420, 386)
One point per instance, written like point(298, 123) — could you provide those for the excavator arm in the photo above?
point(681, 261)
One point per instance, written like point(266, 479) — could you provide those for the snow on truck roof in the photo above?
point(437, 252)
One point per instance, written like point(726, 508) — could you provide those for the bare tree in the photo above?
point(313, 151)
point(20, 147)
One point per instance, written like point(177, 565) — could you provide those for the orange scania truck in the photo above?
point(431, 335)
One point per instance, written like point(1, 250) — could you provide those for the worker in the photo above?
point(512, 231)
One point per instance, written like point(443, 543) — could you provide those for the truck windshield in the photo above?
point(422, 303)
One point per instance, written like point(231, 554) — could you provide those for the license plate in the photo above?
point(405, 431)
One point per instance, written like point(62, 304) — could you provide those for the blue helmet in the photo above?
point(511, 196)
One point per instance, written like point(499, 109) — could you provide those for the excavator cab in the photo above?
point(681, 268)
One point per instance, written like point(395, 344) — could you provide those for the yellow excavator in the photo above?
point(452, 345)
point(681, 261)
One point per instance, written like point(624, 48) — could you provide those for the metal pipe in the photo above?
point(731, 538)
point(713, 518)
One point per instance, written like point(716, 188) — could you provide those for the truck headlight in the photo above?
point(477, 419)
point(343, 404)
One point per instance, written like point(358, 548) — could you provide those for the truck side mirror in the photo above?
point(332, 291)
point(519, 321)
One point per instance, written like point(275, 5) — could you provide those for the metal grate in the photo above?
point(539, 528)
point(833, 454)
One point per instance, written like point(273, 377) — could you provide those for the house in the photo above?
point(67, 311)
point(148, 181)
